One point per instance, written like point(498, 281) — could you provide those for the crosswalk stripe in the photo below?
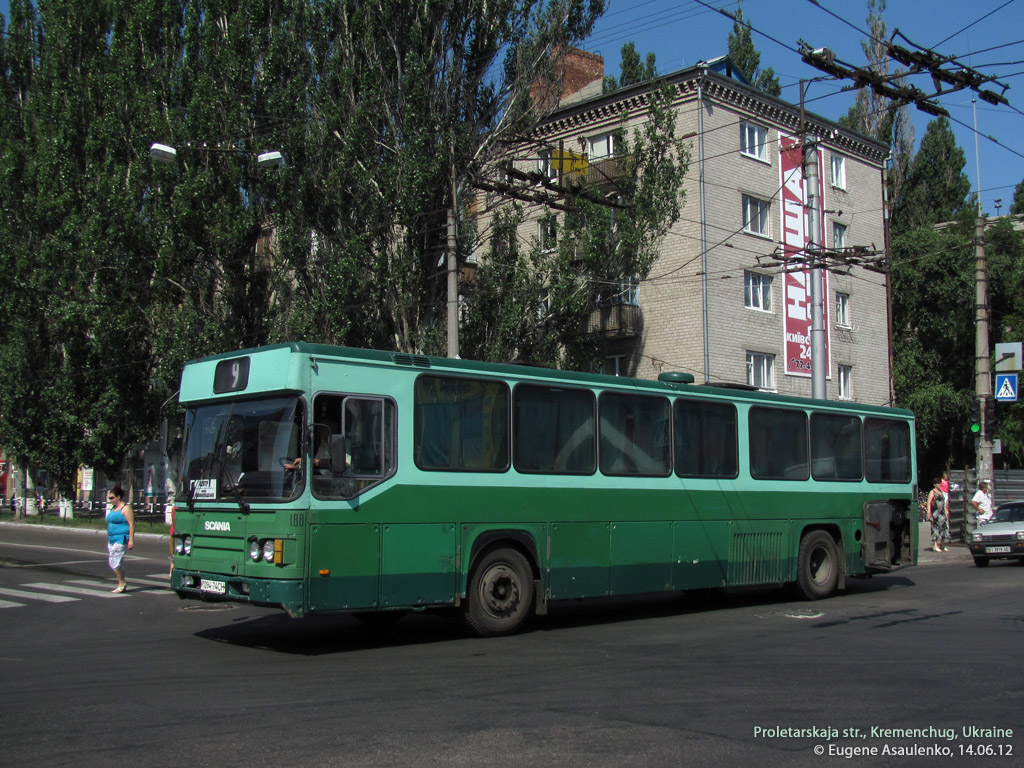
point(159, 576)
point(134, 585)
point(37, 596)
point(149, 583)
point(7, 604)
point(72, 590)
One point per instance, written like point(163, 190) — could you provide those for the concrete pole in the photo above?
point(819, 362)
point(453, 290)
point(983, 363)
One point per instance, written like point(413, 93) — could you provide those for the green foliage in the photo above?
point(747, 59)
point(631, 70)
point(120, 269)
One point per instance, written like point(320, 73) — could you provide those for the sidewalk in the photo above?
point(957, 553)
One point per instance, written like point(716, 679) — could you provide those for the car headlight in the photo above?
point(1020, 535)
point(255, 552)
point(186, 544)
point(976, 536)
point(268, 550)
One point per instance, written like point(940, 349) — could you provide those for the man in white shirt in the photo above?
point(982, 503)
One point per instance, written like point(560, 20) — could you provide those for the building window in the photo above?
point(761, 370)
point(845, 379)
point(838, 235)
point(757, 291)
point(548, 233)
point(754, 141)
point(843, 309)
point(615, 365)
point(545, 164)
point(755, 216)
point(839, 171)
point(628, 293)
point(602, 146)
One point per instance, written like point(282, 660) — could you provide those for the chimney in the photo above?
point(580, 76)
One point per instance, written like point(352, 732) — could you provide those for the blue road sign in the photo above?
point(1006, 387)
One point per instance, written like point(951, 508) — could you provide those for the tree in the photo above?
point(631, 70)
point(1017, 206)
point(878, 116)
point(747, 59)
point(120, 270)
point(936, 189)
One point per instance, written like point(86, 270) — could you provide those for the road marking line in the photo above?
point(72, 590)
point(37, 595)
point(134, 585)
point(6, 604)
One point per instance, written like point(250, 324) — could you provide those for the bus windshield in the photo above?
point(244, 451)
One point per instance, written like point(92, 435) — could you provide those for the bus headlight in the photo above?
point(268, 550)
point(255, 552)
point(179, 546)
point(186, 544)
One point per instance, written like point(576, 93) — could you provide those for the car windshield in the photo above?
point(1014, 514)
point(243, 451)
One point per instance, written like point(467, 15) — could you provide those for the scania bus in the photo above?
point(322, 479)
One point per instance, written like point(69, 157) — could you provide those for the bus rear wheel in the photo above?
point(500, 596)
point(817, 566)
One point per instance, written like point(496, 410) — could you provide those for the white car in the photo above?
point(1000, 537)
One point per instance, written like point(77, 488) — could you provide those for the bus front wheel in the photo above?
point(818, 566)
point(500, 595)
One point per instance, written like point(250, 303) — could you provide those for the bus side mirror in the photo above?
point(338, 464)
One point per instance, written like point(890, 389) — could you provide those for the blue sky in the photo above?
point(683, 32)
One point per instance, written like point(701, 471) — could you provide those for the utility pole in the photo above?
point(982, 363)
point(819, 361)
point(453, 288)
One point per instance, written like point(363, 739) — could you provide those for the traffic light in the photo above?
point(974, 418)
point(991, 418)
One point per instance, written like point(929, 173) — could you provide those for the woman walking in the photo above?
point(120, 533)
point(938, 514)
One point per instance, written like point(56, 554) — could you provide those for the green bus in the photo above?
point(323, 479)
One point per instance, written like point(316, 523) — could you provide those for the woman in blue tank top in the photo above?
point(120, 533)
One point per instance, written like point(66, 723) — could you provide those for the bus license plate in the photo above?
point(997, 550)
point(213, 587)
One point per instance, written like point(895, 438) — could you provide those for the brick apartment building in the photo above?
point(717, 303)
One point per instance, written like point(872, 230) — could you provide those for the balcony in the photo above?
point(615, 321)
point(598, 173)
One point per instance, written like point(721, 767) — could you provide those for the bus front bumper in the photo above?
point(277, 593)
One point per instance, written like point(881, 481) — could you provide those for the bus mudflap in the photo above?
point(886, 544)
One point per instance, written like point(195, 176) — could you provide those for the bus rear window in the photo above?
point(887, 445)
point(461, 424)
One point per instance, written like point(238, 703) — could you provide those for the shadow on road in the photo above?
point(332, 634)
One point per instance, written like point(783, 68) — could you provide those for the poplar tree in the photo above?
point(747, 59)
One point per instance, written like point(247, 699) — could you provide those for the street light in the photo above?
point(164, 153)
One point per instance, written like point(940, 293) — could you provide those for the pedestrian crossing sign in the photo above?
point(1006, 387)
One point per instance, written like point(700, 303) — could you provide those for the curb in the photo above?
point(89, 531)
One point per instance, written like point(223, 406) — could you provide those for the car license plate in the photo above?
point(219, 587)
point(997, 550)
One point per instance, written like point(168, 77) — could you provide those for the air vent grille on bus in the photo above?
point(756, 558)
point(420, 360)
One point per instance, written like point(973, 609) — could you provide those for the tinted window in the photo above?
point(461, 424)
point(887, 450)
point(835, 447)
point(635, 435)
point(778, 444)
point(705, 439)
point(554, 430)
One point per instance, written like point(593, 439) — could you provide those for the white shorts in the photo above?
point(115, 554)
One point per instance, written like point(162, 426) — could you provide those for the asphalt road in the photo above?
point(743, 679)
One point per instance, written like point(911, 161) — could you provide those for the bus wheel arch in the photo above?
point(501, 591)
point(819, 568)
